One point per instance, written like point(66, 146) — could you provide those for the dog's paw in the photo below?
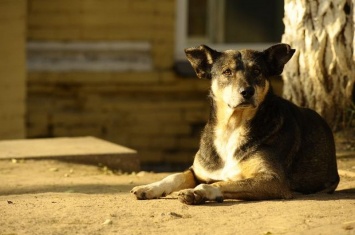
point(149, 191)
point(191, 197)
point(200, 195)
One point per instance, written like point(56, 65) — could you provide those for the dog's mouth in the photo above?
point(243, 105)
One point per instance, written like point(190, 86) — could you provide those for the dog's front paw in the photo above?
point(149, 191)
point(191, 197)
point(200, 195)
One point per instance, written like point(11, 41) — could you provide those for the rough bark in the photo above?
point(321, 73)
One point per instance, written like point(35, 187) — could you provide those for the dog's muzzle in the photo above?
point(245, 104)
point(247, 98)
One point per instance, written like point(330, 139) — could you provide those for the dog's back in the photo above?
point(301, 140)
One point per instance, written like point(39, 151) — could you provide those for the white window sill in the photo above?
point(89, 56)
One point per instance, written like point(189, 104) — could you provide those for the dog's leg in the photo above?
point(258, 188)
point(171, 183)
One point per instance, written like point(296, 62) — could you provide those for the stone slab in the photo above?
point(88, 150)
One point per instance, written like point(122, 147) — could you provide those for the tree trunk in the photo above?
point(321, 73)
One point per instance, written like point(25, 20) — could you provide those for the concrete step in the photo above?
point(88, 150)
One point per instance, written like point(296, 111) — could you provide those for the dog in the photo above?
point(255, 145)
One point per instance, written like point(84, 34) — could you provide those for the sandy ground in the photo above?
point(53, 197)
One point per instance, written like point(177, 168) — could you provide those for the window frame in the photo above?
point(181, 37)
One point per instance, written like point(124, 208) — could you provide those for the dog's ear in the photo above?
point(201, 59)
point(277, 56)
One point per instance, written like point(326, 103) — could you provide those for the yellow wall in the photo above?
point(155, 112)
point(12, 68)
point(94, 20)
point(158, 114)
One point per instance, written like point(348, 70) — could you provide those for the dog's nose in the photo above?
point(247, 92)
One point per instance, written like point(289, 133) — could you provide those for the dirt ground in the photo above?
point(53, 197)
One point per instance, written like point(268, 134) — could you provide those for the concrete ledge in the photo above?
point(88, 150)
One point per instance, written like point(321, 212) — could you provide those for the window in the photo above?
point(228, 24)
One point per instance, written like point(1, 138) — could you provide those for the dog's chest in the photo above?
point(226, 144)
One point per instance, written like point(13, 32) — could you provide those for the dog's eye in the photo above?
point(227, 72)
point(256, 72)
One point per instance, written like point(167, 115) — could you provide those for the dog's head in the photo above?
point(240, 79)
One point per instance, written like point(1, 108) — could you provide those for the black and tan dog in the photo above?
point(255, 145)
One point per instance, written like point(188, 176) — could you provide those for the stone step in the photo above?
point(88, 150)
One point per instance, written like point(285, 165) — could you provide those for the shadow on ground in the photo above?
point(78, 188)
point(344, 194)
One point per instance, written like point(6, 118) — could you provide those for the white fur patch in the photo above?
point(211, 192)
point(228, 94)
point(230, 171)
